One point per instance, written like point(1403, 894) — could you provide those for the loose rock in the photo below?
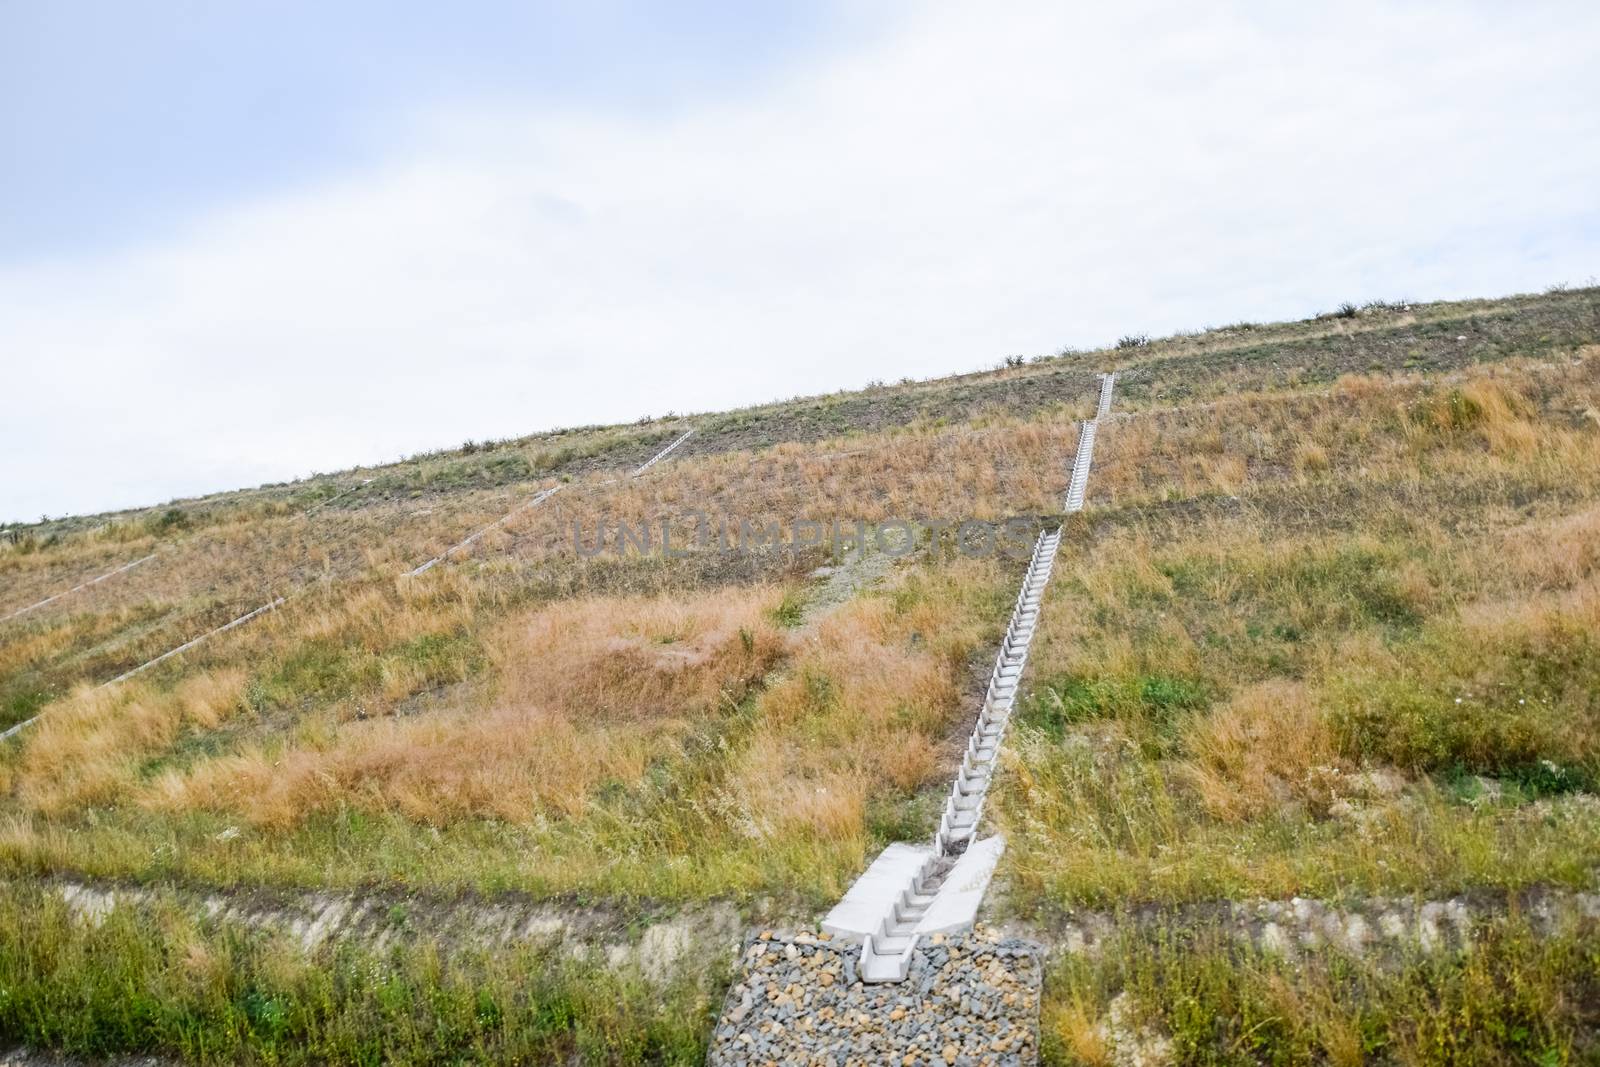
point(970, 999)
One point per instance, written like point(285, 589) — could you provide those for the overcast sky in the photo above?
point(240, 242)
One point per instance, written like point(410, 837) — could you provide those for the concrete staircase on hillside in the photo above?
point(1080, 467)
point(1107, 382)
point(1079, 484)
point(886, 952)
point(914, 891)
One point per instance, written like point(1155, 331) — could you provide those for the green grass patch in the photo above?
point(1504, 699)
point(20, 702)
point(158, 981)
point(1346, 585)
point(1514, 997)
point(322, 670)
point(1152, 704)
point(791, 610)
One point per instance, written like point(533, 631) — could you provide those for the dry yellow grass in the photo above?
point(588, 691)
point(202, 580)
point(1010, 464)
point(595, 693)
point(873, 695)
point(1072, 1023)
point(1495, 411)
point(1476, 422)
point(89, 748)
point(31, 647)
point(1009, 467)
point(1269, 746)
point(515, 765)
point(1279, 693)
point(625, 659)
point(1553, 554)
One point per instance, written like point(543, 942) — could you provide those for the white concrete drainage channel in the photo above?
point(78, 588)
point(472, 538)
point(534, 502)
point(146, 559)
point(915, 891)
point(1081, 462)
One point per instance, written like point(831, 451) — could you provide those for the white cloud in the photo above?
point(985, 181)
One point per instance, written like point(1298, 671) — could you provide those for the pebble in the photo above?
point(969, 999)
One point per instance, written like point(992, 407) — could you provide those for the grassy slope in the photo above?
point(1369, 669)
point(1305, 543)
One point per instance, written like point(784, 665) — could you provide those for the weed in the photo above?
point(1186, 988)
point(168, 521)
point(154, 979)
point(791, 610)
point(1152, 705)
point(1491, 695)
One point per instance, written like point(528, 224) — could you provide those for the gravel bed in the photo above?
point(967, 1000)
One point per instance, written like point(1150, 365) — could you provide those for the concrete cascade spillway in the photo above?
point(1078, 486)
point(913, 891)
point(886, 950)
point(1108, 382)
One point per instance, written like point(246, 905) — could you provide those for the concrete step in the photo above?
point(902, 926)
point(871, 896)
point(881, 964)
